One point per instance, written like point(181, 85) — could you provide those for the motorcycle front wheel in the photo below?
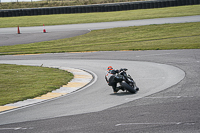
point(128, 87)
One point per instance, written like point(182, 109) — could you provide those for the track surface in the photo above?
point(96, 109)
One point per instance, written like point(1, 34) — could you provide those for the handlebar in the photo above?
point(123, 69)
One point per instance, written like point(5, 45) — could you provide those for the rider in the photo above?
point(110, 78)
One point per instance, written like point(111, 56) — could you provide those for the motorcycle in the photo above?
point(126, 81)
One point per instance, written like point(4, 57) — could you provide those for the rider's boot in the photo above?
point(121, 88)
point(116, 89)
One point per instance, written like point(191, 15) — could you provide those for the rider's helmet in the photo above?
point(110, 68)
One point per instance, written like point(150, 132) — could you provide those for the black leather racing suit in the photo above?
point(110, 78)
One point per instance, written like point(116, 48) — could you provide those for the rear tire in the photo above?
point(128, 87)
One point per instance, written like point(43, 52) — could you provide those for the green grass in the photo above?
point(99, 17)
point(22, 82)
point(152, 37)
point(54, 3)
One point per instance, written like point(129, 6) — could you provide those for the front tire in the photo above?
point(128, 87)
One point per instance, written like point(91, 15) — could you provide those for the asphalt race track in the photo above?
point(168, 100)
point(26, 38)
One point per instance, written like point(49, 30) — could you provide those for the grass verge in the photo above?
point(54, 3)
point(23, 82)
point(60, 19)
point(151, 37)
